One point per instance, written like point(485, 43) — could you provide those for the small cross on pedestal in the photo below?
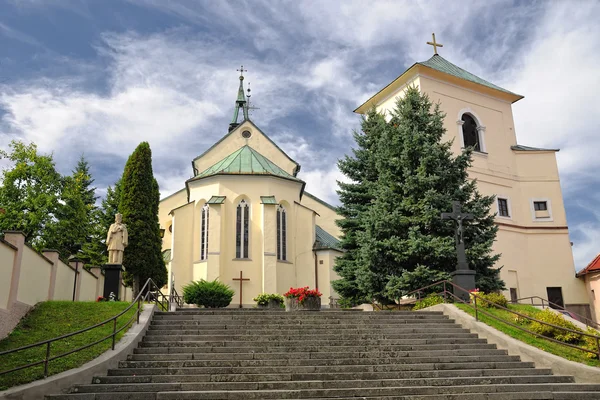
point(463, 276)
point(241, 279)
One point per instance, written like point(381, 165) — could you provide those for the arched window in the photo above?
point(241, 230)
point(470, 131)
point(204, 233)
point(281, 233)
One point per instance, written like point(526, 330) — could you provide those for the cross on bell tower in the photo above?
point(240, 102)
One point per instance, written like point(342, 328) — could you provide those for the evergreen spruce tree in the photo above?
point(418, 178)
point(139, 206)
point(355, 198)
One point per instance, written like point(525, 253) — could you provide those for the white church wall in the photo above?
point(327, 214)
point(182, 246)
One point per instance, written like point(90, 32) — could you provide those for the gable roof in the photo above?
point(592, 267)
point(440, 64)
point(325, 241)
point(246, 161)
point(297, 169)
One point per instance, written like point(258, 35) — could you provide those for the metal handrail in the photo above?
point(477, 310)
point(176, 298)
point(587, 321)
point(142, 296)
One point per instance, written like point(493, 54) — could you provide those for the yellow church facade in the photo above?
point(245, 210)
point(533, 237)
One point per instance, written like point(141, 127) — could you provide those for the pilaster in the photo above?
point(53, 256)
point(17, 239)
point(269, 256)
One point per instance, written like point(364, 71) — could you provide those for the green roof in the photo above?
point(520, 147)
point(439, 63)
point(246, 161)
point(325, 241)
point(216, 200)
point(167, 255)
point(268, 200)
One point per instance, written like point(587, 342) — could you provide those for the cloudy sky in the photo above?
point(97, 77)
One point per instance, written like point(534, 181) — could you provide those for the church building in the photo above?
point(245, 214)
point(246, 211)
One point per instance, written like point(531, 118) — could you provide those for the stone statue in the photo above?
point(116, 240)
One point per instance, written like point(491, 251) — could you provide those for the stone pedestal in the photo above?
point(465, 278)
point(309, 304)
point(112, 280)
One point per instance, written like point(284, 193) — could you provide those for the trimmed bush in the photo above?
point(264, 298)
point(496, 298)
point(554, 318)
point(428, 301)
point(208, 294)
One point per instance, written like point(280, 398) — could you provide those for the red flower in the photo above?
point(302, 293)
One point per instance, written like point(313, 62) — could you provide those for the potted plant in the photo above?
point(265, 300)
point(302, 299)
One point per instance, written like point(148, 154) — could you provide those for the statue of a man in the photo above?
point(116, 240)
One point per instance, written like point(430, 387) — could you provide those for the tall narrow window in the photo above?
point(242, 230)
point(281, 234)
point(503, 207)
point(204, 233)
point(470, 132)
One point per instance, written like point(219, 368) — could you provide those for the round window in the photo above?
point(246, 134)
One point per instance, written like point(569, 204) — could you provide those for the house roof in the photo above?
point(520, 147)
point(592, 267)
point(325, 241)
point(246, 161)
point(440, 64)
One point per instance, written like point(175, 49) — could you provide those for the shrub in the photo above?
point(302, 293)
point(264, 298)
point(488, 299)
point(554, 318)
point(428, 301)
point(208, 294)
point(591, 343)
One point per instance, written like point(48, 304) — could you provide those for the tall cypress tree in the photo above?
point(139, 206)
point(418, 178)
point(355, 198)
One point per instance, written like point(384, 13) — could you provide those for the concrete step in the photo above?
point(244, 330)
point(324, 324)
point(503, 391)
point(258, 311)
point(311, 349)
point(320, 384)
point(315, 355)
point(321, 368)
point(441, 339)
point(320, 376)
point(292, 317)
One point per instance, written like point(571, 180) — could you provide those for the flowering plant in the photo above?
point(100, 298)
point(302, 293)
point(471, 293)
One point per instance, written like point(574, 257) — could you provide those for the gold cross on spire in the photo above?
point(435, 44)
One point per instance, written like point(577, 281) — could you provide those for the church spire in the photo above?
point(240, 102)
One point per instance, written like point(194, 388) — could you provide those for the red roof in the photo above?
point(593, 266)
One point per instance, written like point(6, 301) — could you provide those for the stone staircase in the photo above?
point(255, 354)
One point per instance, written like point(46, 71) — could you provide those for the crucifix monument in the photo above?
point(463, 276)
point(241, 279)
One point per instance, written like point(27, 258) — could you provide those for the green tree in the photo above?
point(139, 206)
point(418, 178)
point(29, 193)
point(75, 215)
point(355, 198)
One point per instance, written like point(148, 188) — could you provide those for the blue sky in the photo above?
point(97, 77)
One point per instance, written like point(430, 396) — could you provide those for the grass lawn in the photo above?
point(55, 318)
point(543, 344)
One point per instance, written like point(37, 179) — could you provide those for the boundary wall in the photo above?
point(28, 277)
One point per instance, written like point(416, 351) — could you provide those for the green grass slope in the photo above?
point(52, 319)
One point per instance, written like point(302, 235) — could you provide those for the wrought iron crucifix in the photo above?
point(241, 279)
point(458, 216)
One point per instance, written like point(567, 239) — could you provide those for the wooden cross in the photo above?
point(458, 216)
point(435, 44)
point(241, 279)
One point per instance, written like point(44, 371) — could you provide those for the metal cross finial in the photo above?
point(241, 71)
point(435, 44)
